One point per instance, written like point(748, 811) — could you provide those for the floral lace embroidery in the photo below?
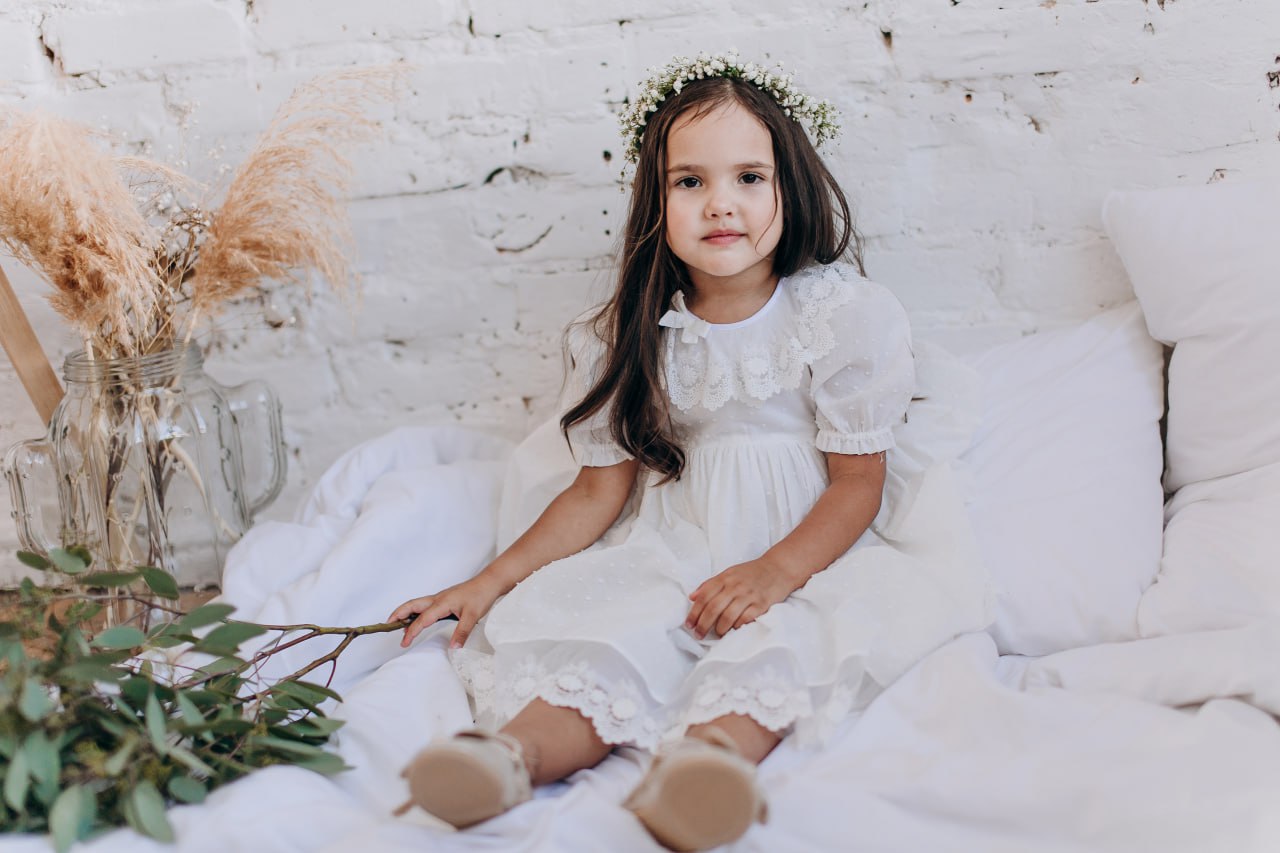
point(621, 712)
point(768, 697)
point(699, 374)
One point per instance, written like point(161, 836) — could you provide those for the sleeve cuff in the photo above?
point(856, 443)
point(599, 455)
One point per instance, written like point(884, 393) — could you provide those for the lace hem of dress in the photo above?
point(778, 703)
point(620, 714)
point(698, 374)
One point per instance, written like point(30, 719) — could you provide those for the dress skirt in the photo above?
point(602, 631)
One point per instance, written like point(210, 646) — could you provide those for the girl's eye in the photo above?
point(752, 178)
point(688, 182)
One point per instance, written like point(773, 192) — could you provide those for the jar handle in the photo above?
point(29, 468)
point(256, 411)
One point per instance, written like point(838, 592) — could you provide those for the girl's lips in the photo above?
point(721, 239)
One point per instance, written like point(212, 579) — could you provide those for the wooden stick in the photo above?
point(24, 351)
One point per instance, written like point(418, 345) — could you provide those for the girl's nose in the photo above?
point(719, 205)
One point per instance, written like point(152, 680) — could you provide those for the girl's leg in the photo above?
point(557, 741)
point(754, 741)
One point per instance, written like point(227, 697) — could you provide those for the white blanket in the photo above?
point(1160, 745)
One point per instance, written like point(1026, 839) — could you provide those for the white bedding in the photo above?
point(1165, 744)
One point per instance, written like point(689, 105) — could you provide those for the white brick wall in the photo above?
point(981, 137)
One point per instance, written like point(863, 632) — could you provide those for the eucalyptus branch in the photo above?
point(313, 631)
point(132, 727)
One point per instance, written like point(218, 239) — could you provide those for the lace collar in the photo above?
point(752, 361)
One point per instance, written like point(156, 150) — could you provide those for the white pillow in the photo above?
point(1064, 473)
point(1203, 265)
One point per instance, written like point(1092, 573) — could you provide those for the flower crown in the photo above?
point(821, 116)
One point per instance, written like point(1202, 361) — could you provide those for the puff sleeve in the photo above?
point(862, 386)
point(590, 440)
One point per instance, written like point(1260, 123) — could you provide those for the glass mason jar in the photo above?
point(149, 462)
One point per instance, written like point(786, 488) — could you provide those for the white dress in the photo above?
point(825, 366)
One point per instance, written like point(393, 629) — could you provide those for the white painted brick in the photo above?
point(282, 24)
point(505, 16)
point(148, 36)
point(22, 58)
point(547, 302)
point(133, 113)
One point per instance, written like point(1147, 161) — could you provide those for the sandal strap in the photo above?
point(513, 748)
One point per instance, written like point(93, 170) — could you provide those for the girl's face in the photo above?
point(724, 212)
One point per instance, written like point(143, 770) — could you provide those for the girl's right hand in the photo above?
point(468, 601)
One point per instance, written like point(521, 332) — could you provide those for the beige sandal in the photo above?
point(468, 778)
point(699, 794)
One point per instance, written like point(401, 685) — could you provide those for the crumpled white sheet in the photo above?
point(1166, 744)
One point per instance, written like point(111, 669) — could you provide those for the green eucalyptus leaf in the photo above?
point(187, 790)
point(171, 631)
point(109, 579)
point(316, 726)
point(281, 744)
point(190, 760)
point(287, 705)
point(87, 671)
point(230, 726)
point(34, 703)
point(68, 562)
point(325, 763)
point(42, 757)
point(156, 729)
point(119, 637)
point(17, 781)
point(306, 691)
point(144, 809)
point(206, 614)
point(119, 759)
point(219, 665)
point(226, 638)
point(161, 582)
point(34, 560)
point(190, 713)
point(72, 817)
point(135, 689)
point(81, 611)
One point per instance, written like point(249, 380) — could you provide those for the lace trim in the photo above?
point(768, 698)
point(621, 712)
point(698, 374)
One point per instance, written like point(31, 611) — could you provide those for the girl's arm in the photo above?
point(742, 593)
point(573, 521)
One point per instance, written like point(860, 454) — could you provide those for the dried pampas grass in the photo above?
point(134, 265)
point(283, 210)
point(65, 212)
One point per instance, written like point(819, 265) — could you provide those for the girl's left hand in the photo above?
point(737, 596)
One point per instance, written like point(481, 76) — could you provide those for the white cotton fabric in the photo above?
point(825, 366)
point(1064, 481)
point(1202, 262)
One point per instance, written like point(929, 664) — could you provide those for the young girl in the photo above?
point(739, 392)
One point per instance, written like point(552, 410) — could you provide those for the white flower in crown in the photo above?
point(819, 115)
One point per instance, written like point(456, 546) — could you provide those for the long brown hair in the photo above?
point(816, 228)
